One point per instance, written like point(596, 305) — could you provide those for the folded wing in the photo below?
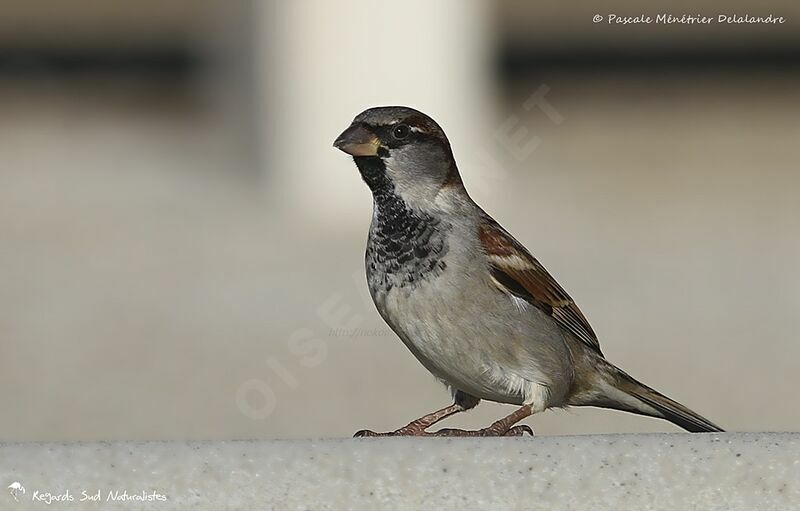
point(518, 273)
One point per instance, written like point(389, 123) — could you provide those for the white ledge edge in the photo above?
point(657, 471)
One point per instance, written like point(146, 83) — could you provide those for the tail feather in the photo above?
point(623, 392)
point(676, 412)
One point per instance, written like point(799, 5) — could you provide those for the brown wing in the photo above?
point(517, 272)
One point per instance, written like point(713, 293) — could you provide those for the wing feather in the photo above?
point(521, 275)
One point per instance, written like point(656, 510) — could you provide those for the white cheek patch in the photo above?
point(410, 181)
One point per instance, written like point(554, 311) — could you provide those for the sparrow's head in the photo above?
point(400, 148)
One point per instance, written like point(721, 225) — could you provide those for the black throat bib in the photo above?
point(404, 246)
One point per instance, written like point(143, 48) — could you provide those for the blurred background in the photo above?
point(181, 249)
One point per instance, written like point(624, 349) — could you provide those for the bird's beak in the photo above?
point(358, 141)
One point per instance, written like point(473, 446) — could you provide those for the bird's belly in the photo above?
point(479, 342)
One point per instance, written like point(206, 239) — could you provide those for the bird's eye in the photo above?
point(400, 131)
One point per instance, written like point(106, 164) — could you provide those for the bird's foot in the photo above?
point(418, 427)
point(486, 432)
point(366, 433)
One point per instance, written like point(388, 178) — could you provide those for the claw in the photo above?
point(520, 430)
point(365, 433)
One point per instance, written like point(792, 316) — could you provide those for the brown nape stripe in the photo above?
point(453, 177)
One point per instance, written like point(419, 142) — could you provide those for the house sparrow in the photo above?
point(469, 301)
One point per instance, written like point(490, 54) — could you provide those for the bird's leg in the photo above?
point(502, 427)
point(461, 402)
point(418, 427)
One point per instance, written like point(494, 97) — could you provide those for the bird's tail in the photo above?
point(621, 391)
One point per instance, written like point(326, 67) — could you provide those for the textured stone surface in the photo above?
point(658, 471)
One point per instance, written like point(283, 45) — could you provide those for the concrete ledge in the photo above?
point(664, 471)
